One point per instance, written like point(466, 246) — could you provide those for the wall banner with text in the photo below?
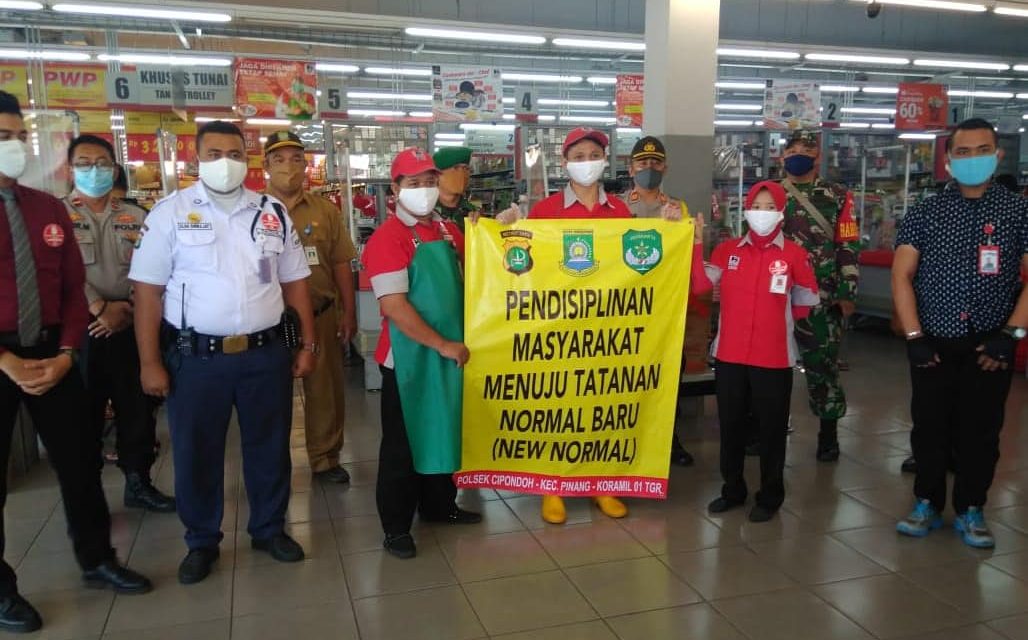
point(921, 106)
point(628, 95)
point(201, 87)
point(14, 80)
point(575, 333)
point(267, 88)
point(466, 95)
point(792, 105)
point(75, 86)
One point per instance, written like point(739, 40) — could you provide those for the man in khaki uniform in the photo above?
point(106, 230)
point(326, 242)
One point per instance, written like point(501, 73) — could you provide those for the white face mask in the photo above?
point(13, 158)
point(420, 201)
point(223, 175)
point(586, 173)
point(762, 222)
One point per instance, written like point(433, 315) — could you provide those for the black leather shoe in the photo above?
point(402, 546)
point(111, 575)
point(828, 441)
point(141, 494)
point(457, 516)
point(909, 465)
point(828, 452)
point(679, 456)
point(197, 564)
point(18, 616)
point(722, 504)
point(336, 474)
point(760, 513)
point(280, 547)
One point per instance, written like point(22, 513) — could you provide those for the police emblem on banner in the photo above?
point(517, 251)
point(642, 250)
point(579, 254)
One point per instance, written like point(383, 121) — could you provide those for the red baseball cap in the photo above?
point(412, 161)
point(776, 190)
point(585, 133)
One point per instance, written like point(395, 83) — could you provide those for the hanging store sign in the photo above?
point(275, 88)
point(14, 80)
point(490, 142)
point(792, 105)
point(466, 95)
point(921, 106)
point(75, 86)
point(331, 96)
point(628, 98)
point(158, 87)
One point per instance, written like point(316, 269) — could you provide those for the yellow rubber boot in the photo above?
point(611, 506)
point(553, 510)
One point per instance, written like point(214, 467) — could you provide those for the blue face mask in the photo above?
point(799, 165)
point(972, 172)
point(94, 181)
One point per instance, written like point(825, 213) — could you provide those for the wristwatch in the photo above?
point(313, 347)
point(1017, 333)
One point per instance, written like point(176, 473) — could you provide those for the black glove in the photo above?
point(921, 352)
point(999, 346)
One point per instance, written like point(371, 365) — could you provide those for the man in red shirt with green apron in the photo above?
point(414, 263)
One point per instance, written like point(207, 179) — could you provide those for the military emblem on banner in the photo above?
point(642, 250)
point(579, 254)
point(517, 251)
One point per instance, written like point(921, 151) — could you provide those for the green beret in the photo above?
point(451, 156)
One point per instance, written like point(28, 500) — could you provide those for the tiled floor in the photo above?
point(830, 566)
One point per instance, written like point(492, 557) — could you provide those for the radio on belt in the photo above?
point(185, 343)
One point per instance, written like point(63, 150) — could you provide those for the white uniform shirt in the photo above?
point(187, 240)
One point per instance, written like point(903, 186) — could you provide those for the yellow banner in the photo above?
point(75, 86)
point(575, 329)
point(14, 80)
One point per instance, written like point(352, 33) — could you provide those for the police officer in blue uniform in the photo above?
point(214, 270)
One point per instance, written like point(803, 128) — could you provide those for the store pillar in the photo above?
point(681, 68)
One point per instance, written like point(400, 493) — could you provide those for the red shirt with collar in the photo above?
point(60, 274)
point(556, 206)
point(756, 325)
point(389, 252)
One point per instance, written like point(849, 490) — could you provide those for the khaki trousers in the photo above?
point(324, 407)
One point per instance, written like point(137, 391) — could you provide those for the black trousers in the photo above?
point(401, 490)
point(746, 394)
point(958, 410)
point(112, 372)
point(74, 448)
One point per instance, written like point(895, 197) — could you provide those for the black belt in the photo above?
point(207, 344)
point(323, 308)
point(11, 340)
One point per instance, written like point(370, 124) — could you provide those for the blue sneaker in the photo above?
point(923, 519)
point(973, 530)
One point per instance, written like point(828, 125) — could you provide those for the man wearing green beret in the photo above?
point(454, 175)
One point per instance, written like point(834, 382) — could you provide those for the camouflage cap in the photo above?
point(806, 137)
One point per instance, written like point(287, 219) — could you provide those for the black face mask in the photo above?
point(799, 165)
point(648, 179)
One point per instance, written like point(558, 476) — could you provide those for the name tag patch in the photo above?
point(733, 263)
point(312, 256)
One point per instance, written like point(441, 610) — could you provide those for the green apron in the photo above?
point(431, 386)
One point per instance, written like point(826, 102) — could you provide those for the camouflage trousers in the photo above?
point(818, 338)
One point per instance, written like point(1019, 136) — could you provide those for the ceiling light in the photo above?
point(449, 136)
point(1021, 67)
point(917, 136)
point(547, 118)
point(269, 122)
point(611, 45)
point(449, 143)
point(20, 4)
point(381, 95)
point(839, 88)
point(486, 127)
point(871, 111)
point(482, 36)
point(977, 7)
point(601, 80)
point(1007, 9)
point(508, 101)
point(339, 68)
point(882, 125)
point(142, 12)
point(740, 85)
point(23, 54)
point(959, 93)
point(889, 90)
point(589, 119)
point(629, 130)
point(962, 64)
point(541, 77)
point(420, 114)
point(757, 53)
point(375, 112)
point(397, 71)
point(855, 125)
point(847, 57)
point(727, 106)
point(214, 118)
point(574, 103)
point(1022, 96)
point(1024, 117)
point(733, 123)
point(174, 61)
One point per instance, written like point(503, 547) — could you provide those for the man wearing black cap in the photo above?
point(454, 164)
point(329, 252)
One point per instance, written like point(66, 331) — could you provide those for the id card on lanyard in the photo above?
point(988, 254)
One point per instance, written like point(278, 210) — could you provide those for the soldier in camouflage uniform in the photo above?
point(454, 175)
point(833, 243)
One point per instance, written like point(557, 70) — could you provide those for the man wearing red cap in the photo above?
point(414, 263)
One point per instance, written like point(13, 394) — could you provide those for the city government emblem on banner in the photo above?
point(579, 254)
point(642, 250)
point(517, 251)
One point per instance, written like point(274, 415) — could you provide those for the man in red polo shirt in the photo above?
point(414, 263)
point(585, 158)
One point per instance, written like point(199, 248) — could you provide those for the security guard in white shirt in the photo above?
point(214, 269)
